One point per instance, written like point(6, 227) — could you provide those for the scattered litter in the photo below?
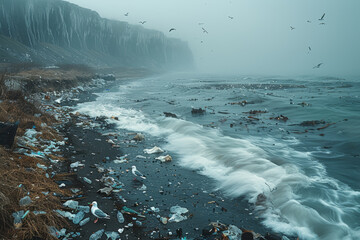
point(54, 232)
point(87, 180)
point(39, 212)
point(71, 204)
point(154, 209)
point(62, 185)
point(120, 217)
point(84, 221)
point(76, 164)
point(232, 232)
point(17, 218)
point(164, 220)
point(25, 201)
point(75, 190)
point(97, 235)
point(78, 217)
point(153, 150)
point(121, 230)
point(119, 161)
point(140, 156)
point(106, 190)
point(142, 188)
point(112, 235)
point(43, 167)
point(177, 212)
point(85, 209)
point(163, 159)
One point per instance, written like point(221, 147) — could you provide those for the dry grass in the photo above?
point(18, 169)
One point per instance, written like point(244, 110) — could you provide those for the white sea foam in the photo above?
point(301, 199)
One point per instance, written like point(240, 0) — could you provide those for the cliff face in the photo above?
point(54, 31)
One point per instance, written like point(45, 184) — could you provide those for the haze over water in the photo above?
point(288, 144)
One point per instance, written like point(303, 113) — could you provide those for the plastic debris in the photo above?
point(154, 209)
point(106, 190)
point(163, 159)
point(140, 156)
point(119, 161)
point(97, 235)
point(138, 223)
point(121, 230)
point(25, 201)
point(164, 220)
point(177, 212)
point(75, 190)
point(62, 185)
point(54, 232)
point(43, 167)
point(76, 164)
point(154, 150)
point(17, 218)
point(143, 188)
point(78, 217)
point(85, 209)
point(120, 217)
point(68, 215)
point(71, 204)
point(84, 221)
point(232, 232)
point(87, 180)
point(39, 212)
point(112, 235)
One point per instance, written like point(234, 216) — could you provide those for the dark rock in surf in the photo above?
point(169, 114)
point(198, 111)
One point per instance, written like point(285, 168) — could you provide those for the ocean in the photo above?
point(290, 146)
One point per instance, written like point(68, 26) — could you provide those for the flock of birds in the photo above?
point(231, 18)
point(309, 48)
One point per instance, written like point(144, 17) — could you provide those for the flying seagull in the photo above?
point(322, 17)
point(136, 173)
point(230, 17)
point(204, 30)
point(126, 14)
point(172, 29)
point(308, 21)
point(322, 23)
point(98, 213)
point(143, 22)
point(292, 28)
point(318, 66)
point(200, 23)
point(309, 48)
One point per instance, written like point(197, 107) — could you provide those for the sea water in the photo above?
point(288, 145)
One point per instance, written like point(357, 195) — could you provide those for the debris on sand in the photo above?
point(164, 159)
point(153, 150)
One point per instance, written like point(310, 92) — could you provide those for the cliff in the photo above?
point(55, 31)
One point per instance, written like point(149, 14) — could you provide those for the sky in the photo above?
point(253, 36)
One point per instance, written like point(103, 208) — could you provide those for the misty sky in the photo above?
point(258, 40)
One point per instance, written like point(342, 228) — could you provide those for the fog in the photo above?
point(253, 36)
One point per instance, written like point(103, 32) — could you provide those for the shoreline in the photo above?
point(167, 184)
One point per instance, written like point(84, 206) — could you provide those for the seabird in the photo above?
point(126, 14)
point(136, 173)
point(322, 17)
point(292, 28)
point(200, 23)
point(98, 213)
point(230, 17)
point(204, 30)
point(143, 22)
point(322, 23)
point(308, 21)
point(318, 66)
point(172, 29)
point(309, 48)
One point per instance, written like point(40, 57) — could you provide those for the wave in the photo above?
point(289, 188)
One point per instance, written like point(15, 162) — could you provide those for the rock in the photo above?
point(139, 137)
point(7, 133)
point(169, 114)
point(197, 111)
